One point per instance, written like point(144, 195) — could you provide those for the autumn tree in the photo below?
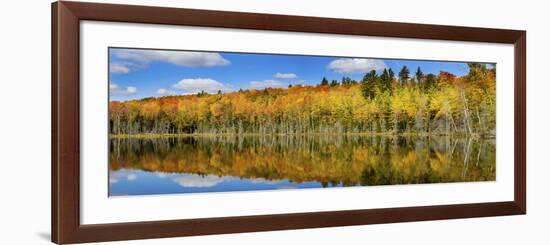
point(443, 104)
point(430, 81)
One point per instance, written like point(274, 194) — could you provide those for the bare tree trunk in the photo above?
point(466, 113)
point(479, 153)
point(481, 124)
point(467, 151)
point(395, 123)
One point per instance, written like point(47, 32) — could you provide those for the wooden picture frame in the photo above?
point(65, 174)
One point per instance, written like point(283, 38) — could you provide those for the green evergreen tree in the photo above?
point(385, 80)
point(430, 81)
point(324, 82)
point(419, 75)
point(346, 81)
point(477, 71)
point(391, 75)
point(404, 75)
point(202, 93)
point(368, 84)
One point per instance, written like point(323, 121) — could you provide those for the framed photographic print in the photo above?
point(176, 122)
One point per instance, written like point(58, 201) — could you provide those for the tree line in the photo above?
point(380, 102)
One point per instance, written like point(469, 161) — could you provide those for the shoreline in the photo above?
point(184, 135)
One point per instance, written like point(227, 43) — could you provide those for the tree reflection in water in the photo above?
point(327, 160)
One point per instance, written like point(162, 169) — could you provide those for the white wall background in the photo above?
point(25, 121)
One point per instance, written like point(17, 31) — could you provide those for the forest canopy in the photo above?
point(381, 102)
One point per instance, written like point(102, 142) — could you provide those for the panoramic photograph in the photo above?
point(202, 122)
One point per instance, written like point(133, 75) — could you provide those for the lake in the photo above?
point(170, 165)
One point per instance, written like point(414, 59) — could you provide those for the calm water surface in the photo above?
point(240, 163)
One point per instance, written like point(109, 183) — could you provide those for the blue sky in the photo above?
point(140, 73)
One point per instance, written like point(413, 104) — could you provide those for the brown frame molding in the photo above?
point(66, 17)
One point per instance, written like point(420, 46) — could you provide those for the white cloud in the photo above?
point(163, 91)
point(137, 59)
point(195, 85)
point(285, 75)
point(266, 84)
point(114, 89)
point(161, 175)
point(130, 90)
point(113, 86)
point(116, 176)
point(198, 181)
point(120, 67)
point(265, 181)
point(131, 177)
point(349, 65)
